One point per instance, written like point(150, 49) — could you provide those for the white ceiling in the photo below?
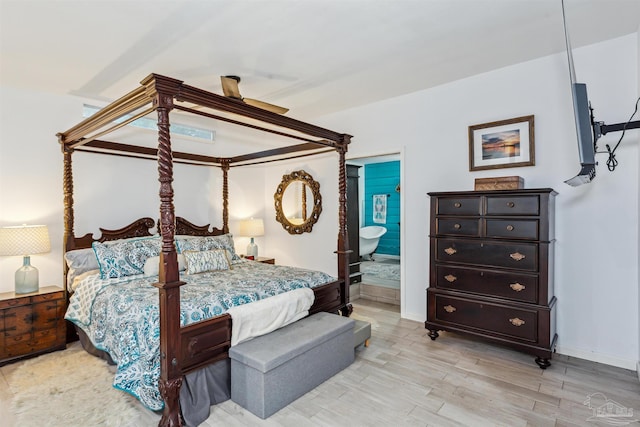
point(312, 56)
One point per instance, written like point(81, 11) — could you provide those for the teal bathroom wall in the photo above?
point(383, 179)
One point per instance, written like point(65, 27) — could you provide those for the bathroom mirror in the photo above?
point(298, 202)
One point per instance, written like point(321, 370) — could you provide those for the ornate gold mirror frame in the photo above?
point(304, 220)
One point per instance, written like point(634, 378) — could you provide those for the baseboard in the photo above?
point(412, 316)
point(606, 359)
point(384, 256)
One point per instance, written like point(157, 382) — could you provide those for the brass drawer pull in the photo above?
point(516, 322)
point(450, 251)
point(457, 226)
point(449, 308)
point(450, 278)
point(457, 204)
point(511, 204)
point(517, 256)
point(517, 287)
point(509, 227)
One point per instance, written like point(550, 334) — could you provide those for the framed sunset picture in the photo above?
point(502, 144)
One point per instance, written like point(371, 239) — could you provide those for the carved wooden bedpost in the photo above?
point(343, 234)
point(169, 277)
point(225, 195)
point(67, 186)
point(69, 234)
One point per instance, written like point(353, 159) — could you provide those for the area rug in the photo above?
point(383, 269)
point(69, 388)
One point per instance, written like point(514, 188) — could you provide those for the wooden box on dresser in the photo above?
point(31, 324)
point(491, 268)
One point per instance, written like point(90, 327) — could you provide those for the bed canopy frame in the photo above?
point(184, 349)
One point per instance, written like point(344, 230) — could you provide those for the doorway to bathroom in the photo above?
point(378, 275)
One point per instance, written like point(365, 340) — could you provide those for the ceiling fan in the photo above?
point(230, 90)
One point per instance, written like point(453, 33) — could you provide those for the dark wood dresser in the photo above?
point(491, 268)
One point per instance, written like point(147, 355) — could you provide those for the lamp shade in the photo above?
point(24, 240)
point(251, 227)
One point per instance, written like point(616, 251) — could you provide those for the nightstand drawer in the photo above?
point(16, 302)
point(53, 296)
point(517, 287)
point(47, 313)
point(487, 317)
point(20, 347)
point(18, 321)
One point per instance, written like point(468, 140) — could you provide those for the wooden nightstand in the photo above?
point(31, 324)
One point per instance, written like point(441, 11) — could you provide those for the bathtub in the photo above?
point(369, 238)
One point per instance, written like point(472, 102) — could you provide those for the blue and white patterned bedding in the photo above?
point(121, 315)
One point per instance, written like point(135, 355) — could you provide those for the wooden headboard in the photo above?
point(141, 228)
point(185, 228)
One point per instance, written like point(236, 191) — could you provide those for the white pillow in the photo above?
point(152, 265)
point(80, 261)
point(206, 243)
point(211, 260)
point(79, 278)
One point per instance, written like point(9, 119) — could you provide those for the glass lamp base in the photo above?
point(252, 249)
point(26, 278)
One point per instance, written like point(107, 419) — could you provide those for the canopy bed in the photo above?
point(187, 348)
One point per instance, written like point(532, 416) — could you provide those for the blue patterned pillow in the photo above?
point(201, 261)
point(206, 243)
point(125, 257)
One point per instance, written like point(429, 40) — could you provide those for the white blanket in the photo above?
point(266, 315)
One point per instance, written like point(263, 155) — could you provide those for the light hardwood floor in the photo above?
point(405, 379)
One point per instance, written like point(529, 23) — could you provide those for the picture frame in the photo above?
point(502, 144)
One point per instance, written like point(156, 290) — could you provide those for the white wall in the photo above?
point(597, 224)
point(638, 94)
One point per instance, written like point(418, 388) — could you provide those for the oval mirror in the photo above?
point(298, 202)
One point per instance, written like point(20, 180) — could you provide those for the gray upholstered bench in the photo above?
point(361, 333)
point(271, 371)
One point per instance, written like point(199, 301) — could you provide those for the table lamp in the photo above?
point(252, 228)
point(25, 240)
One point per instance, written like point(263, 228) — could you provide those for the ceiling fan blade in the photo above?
point(266, 106)
point(230, 87)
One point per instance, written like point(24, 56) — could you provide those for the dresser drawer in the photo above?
point(459, 205)
point(497, 319)
point(513, 205)
point(520, 256)
point(512, 228)
point(517, 287)
point(458, 226)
